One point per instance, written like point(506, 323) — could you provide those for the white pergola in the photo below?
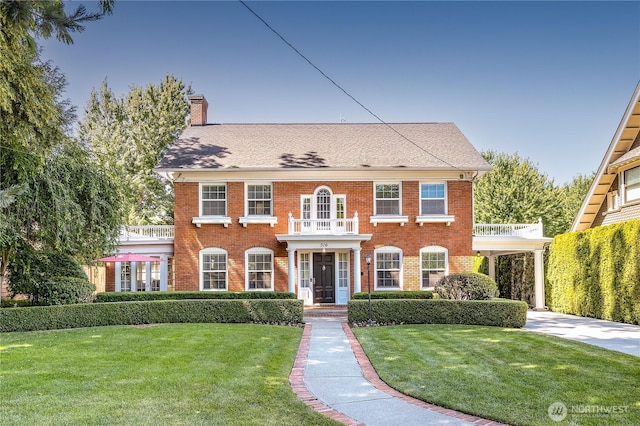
point(494, 240)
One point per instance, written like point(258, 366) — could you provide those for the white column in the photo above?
point(492, 267)
point(164, 273)
point(147, 277)
point(118, 273)
point(357, 275)
point(539, 279)
point(292, 270)
point(134, 276)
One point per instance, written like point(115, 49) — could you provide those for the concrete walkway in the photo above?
point(607, 334)
point(333, 375)
point(339, 381)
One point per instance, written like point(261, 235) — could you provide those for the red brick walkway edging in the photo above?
point(296, 378)
point(370, 374)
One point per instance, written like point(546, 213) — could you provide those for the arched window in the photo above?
point(259, 269)
point(388, 267)
point(434, 264)
point(213, 269)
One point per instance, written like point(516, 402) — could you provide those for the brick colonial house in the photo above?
point(614, 195)
point(299, 207)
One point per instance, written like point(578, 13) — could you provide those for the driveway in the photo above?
point(607, 334)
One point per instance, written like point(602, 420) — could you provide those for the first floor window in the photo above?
point(387, 199)
point(632, 184)
point(259, 200)
point(260, 269)
point(433, 265)
point(388, 268)
point(214, 269)
point(305, 270)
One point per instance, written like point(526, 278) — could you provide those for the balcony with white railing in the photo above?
point(323, 226)
point(147, 232)
point(521, 230)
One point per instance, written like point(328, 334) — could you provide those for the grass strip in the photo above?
point(177, 374)
point(509, 375)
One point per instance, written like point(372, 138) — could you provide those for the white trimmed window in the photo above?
point(388, 267)
point(259, 269)
point(387, 199)
point(632, 184)
point(433, 198)
point(259, 200)
point(213, 269)
point(213, 200)
point(433, 265)
point(125, 276)
point(305, 270)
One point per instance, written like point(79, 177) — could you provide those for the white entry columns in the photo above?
point(291, 251)
point(357, 276)
point(539, 280)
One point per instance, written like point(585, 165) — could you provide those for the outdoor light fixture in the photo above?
point(367, 259)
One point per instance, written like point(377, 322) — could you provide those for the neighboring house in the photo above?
point(298, 207)
point(614, 195)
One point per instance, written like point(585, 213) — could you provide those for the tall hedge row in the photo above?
point(265, 311)
point(493, 312)
point(596, 273)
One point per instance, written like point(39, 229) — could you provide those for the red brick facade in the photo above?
point(236, 238)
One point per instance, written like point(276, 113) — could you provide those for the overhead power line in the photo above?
point(332, 81)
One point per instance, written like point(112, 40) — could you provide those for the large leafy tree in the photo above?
point(572, 196)
point(129, 135)
point(515, 191)
point(54, 195)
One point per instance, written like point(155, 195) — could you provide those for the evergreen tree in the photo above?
point(129, 135)
point(54, 196)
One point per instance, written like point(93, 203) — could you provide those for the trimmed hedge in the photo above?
point(466, 286)
point(394, 295)
point(180, 295)
point(15, 303)
point(596, 273)
point(285, 312)
point(494, 312)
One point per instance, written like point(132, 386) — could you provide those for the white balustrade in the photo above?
point(523, 230)
point(161, 232)
point(323, 226)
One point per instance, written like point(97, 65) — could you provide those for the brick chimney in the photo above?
point(199, 107)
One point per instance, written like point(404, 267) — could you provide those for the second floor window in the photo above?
point(214, 200)
point(387, 199)
point(433, 198)
point(259, 200)
point(632, 184)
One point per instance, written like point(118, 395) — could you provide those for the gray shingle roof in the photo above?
point(341, 146)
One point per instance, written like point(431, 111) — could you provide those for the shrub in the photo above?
point(494, 312)
point(180, 295)
point(264, 311)
point(48, 278)
point(466, 286)
point(395, 295)
point(66, 290)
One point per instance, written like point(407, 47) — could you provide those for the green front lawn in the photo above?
point(173, 374)
point(508, 375)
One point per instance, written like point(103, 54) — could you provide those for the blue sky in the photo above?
point(549, 80)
